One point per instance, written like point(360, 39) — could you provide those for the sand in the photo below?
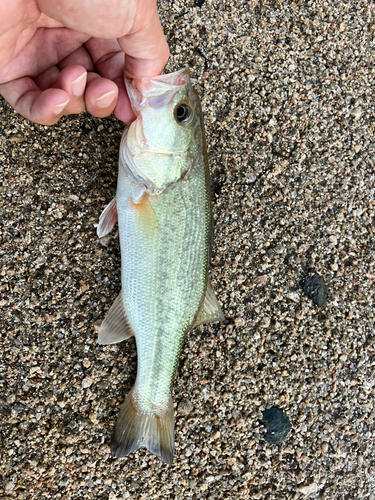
point(287, 90)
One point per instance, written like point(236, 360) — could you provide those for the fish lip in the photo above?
point(149, 86)
point(155, 90)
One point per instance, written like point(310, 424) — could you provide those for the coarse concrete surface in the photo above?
point(287, 89)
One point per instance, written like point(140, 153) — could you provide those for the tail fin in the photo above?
point(136, 428)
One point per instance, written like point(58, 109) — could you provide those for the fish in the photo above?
point(163, 210)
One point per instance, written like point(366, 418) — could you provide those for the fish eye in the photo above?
point(183, 113)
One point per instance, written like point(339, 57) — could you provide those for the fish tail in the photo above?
point(136, 428)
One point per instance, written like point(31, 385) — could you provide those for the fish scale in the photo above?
point(177, 274)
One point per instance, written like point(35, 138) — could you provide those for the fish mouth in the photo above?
point(155, 91)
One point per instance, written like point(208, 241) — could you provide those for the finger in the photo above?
point(107, 57)
point(100, 96)
point(109, 61)
point(146, 48)
point(49, 77)
point(79, 57)
point(123, 110)
point(72, 80)
point(29, 101)
point(94, 17)
point(45, 49)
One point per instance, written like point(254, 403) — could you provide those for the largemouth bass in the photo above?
point(163, 210)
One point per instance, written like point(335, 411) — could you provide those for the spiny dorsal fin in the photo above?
point(210, 310)
point(115, 327)
point(107, 219)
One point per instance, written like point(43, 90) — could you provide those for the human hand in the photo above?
point(59, 57)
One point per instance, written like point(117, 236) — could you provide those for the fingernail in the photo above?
point(106, 100)
point(79, 85)
point(58, 109)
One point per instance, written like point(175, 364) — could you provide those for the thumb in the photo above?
point(146, 49)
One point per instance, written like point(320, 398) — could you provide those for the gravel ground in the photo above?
point(287, 90)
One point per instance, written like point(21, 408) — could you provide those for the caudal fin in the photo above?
point(136, 428)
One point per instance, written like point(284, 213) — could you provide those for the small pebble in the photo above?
point(303, 248)
point(262, 280)
point(333, 239)
point(279, 249)
point(294, 296)
point(315, 288)
point(87, 382)
point(299, 314)
point(307, 489)
point(277, 425)
point(324, 447)
point(265, 323)
point(185, 407)
point(239, 321)
point(9, 487)
point(356, 113)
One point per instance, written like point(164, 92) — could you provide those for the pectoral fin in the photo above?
point(107, 219)
point(210, 310)
point(146, 216)
point(115, 327)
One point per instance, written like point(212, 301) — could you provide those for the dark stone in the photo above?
point(216, 186)
point(277, 425)
point(200, 3)
point(315, 288)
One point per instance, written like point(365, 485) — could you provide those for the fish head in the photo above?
point(160, 147)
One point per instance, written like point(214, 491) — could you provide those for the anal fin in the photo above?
point(107, 219)
point(115, 327)
point(210, 310)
